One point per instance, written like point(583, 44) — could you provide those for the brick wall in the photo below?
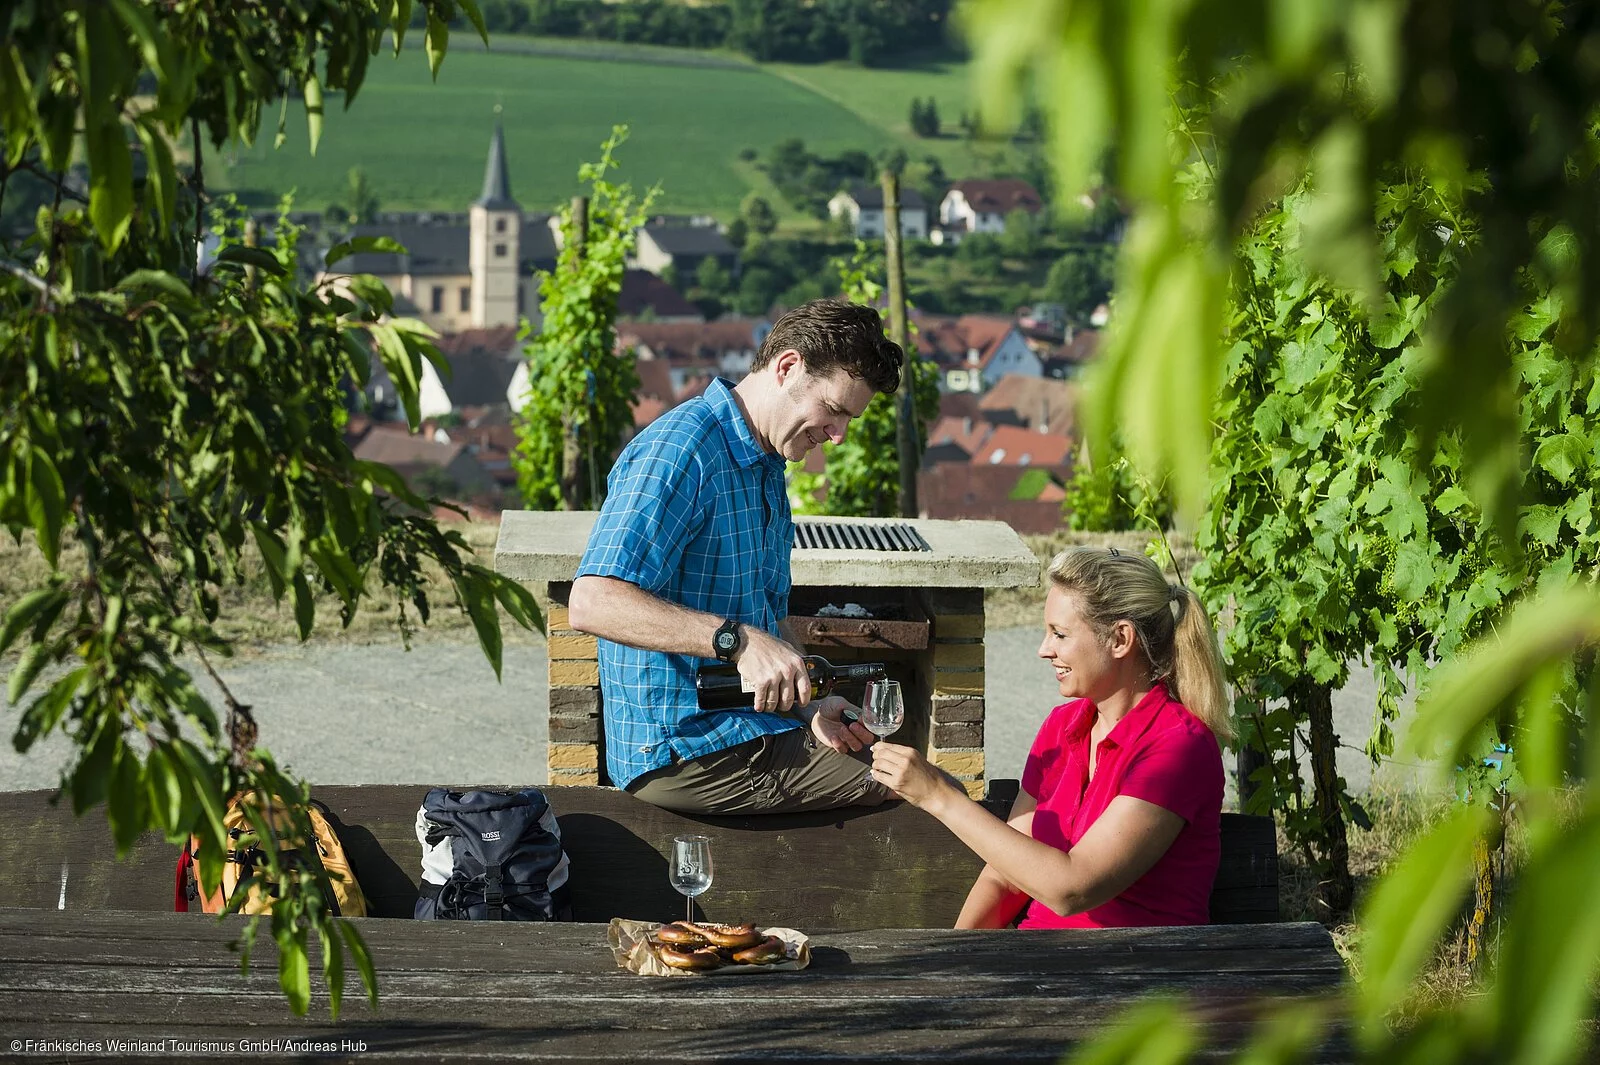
point(577, 737)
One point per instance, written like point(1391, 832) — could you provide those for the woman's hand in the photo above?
point(908, 774)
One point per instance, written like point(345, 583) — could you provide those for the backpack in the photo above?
point(347, 899)
point(491, 856)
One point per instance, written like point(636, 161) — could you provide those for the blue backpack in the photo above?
point(491, 856)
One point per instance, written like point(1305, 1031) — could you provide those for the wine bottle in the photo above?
point(720, 687)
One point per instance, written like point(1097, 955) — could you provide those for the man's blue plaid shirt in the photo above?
point(696, 513)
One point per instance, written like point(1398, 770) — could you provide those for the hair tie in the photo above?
point(1174, 592)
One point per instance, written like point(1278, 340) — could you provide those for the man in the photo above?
point(689, 562)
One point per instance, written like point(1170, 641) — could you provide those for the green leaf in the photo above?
point(165, 792)
point(436, 41)
point(313, 93)
point(161, 172)
point(26, 671)
point(46, 711)
point(358, 950)
point(1469, 690)
point(305, 607)
point(275, 556)
point(1542, 522)
point(1413, 570)
point(373, 291)
point(47, 503)
point(43, 604)
point(1551, 950)
point(294, 966)
point(100, 51)
point(1562, 456)
point(360, 356)
point(159, 281)
point(126, 805)
point(479, 600)
point(1410, 908)
point(519, 602)
point(332, 968)
point(476, 16)
point(1151, 1033)
point(154, 46)
point(89, 778)
point(1451, 500)
point(405, 370)
point(260, 258)
point(362, 246)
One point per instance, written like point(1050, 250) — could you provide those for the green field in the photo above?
point(423, 144)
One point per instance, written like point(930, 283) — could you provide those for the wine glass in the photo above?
point(882, 709)
point(690, 871)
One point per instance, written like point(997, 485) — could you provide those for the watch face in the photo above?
point(727, 641)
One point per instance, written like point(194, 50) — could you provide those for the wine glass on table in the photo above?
point(883, 710)
point(690, 871)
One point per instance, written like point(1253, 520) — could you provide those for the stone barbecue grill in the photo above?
point(921, 581)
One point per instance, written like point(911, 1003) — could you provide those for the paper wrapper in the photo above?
point(630, 942)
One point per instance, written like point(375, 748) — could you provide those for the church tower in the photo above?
point(496, 233)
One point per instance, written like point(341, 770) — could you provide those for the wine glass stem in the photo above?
point(688, 905)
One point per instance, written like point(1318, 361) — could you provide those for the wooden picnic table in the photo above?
point(545, 993)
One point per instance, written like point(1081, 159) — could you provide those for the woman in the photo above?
point(1118, 819)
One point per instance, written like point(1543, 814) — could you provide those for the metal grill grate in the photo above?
point(855, 536)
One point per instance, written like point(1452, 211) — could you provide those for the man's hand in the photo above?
point(829, 726)
point(774, 670)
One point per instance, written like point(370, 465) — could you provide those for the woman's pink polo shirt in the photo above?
point(1160, 753)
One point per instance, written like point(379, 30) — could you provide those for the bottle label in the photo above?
point(745, 685)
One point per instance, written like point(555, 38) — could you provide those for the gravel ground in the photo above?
point(379, 714)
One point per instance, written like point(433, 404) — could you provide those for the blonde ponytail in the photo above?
point(1170, 620)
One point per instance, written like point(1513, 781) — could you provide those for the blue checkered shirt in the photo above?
point(696, 514)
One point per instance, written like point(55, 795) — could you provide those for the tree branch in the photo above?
point(18, 270)
point(56, 180)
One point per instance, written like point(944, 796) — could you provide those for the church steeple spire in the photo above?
point(496, 175)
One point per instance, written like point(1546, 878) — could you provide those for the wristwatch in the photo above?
point(726, 642)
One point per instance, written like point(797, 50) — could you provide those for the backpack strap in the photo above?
point(493, 893)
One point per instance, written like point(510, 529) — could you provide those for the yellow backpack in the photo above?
point(241, 863)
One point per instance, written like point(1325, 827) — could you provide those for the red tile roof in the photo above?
point(950, 490)
point(968, 434)
point(947, 339)
point(496, 340)
point(688, 341)
point(642, 290)
point(1012, 445)
point(1028, 401)
point(999, 195)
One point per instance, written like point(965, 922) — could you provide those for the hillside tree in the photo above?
point(581, 389)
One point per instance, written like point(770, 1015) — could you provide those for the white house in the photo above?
point(863, 205)
point(982, 207)
point(973, 351)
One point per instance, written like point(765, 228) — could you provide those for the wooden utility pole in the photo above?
point(905, 406)
point(571, 449)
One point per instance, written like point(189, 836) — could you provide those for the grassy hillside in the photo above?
point(692, 113)
point(422, 144)
point(882, 97)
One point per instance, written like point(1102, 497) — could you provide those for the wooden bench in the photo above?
point(889, 867)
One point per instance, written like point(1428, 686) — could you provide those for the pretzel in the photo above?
point(728, 937)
